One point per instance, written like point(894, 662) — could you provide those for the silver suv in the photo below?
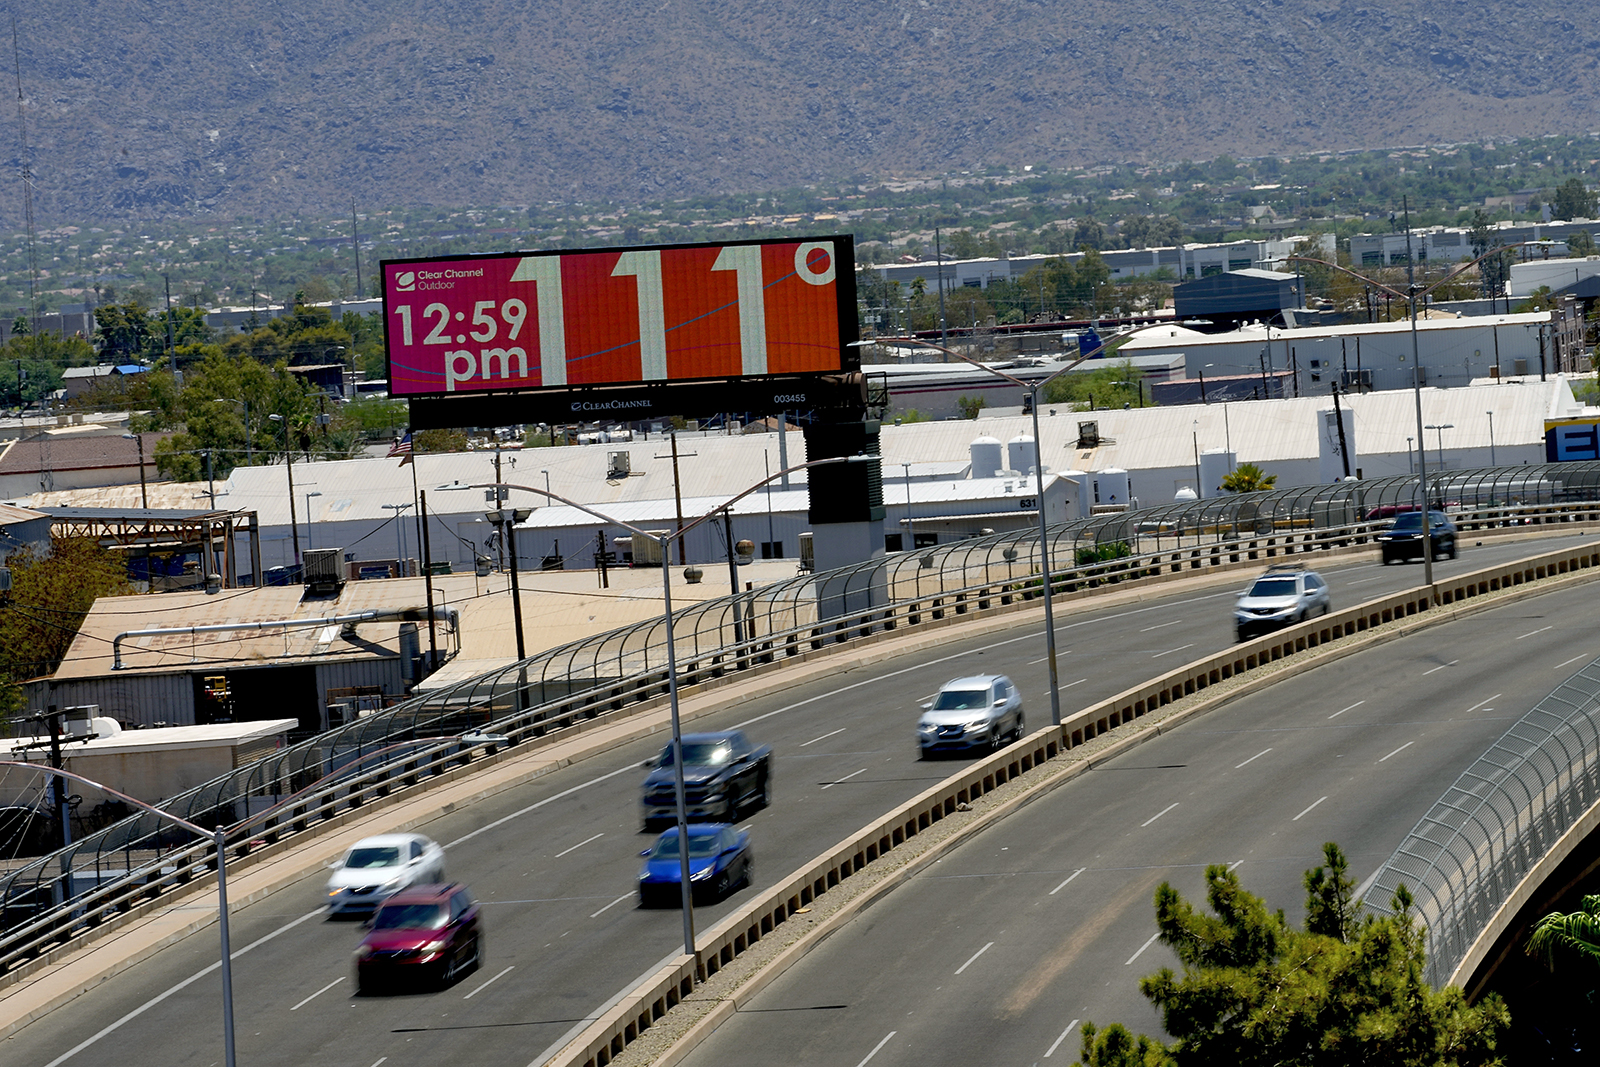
point(982, 711)
point(1287, 593)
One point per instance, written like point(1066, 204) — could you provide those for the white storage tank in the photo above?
point(1215, 465)
point(988, 457)
point(1019, 453)
point(1111, 487)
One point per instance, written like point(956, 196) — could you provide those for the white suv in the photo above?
point(1287, 593)
point(980, 711)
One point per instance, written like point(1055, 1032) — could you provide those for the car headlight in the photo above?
point(980, 724)
point(434, 946)
point(363, 952)
point(926, 728)
point(702, 874)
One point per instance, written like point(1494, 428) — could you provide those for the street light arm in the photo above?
point(611, 520)
point(913, 342)
point(141, 805)
point(726, 504)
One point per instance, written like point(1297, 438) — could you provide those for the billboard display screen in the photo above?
point(616, 317)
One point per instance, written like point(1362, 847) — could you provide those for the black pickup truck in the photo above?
point(723, 774)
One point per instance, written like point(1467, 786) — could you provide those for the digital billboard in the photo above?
point(600, 319)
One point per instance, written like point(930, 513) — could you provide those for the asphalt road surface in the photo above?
point(554, 861)
point(1000, 950)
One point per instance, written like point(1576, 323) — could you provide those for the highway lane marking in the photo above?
point(1399, 750)
point(846, 778)
point(1142, 947)
point(318, 993)
point(1540, 630)
point(1160, 626)
point(892, 674)
point(1069, 685)
point(1440, 667)
point(1303, 814)
point(1481, 703)
point(629, 769)
point(1060, 1039)
point(580, 844)
point(611, 905)
point(1352, 707)
point(875, 1048)
point(1063, 885)
point(1252, 759)
point(1574, 659)
point(1364, 581)
point(617, 998)
point(1041, 659)
point(185, 984)
point(1234, 865)
point(1093, 621)
point(1170, 651)
point(491, 981)
point(824, 737)
point(1157, 815)
point(975, 955)
point(381, 1060)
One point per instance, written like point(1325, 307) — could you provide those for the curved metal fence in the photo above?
point(49, 899)
point(1499, 820)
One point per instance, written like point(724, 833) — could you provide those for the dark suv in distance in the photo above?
point(1403, 539)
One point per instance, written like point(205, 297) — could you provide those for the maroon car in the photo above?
point(425, 935)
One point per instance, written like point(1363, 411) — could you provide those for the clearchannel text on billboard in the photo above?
point(523, 321)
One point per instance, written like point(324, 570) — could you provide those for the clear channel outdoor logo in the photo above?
point(405, 281)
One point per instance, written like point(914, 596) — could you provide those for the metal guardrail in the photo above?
point(720, 945)
point(1490, 831)
point(50, 900)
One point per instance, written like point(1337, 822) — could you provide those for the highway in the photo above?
point(1001, 948)
point(554, 861)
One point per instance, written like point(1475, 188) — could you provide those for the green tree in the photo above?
point(50, 595)
point(1109, 385)
point(1256, 991)
point(1248, 478)
point(1573, 937)
point(1573, 200)
point(439, 441)
point(122, 332)
point(1581, 244)
point(969, 406)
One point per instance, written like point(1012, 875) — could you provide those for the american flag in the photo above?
point(401, 447)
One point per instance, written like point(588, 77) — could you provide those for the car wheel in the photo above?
point(744, 879)
point(766, 789)
point(724, 885)
point(1021, 730)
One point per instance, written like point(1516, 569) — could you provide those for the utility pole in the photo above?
point(355, 244)
point(938, 253)
point(677, 497)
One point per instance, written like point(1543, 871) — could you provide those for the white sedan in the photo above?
point(376, 868)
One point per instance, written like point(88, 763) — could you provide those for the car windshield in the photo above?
point(1277, 585)
point(410, 917)
point(363, 858)
point(961, 699)
point(701, 754)
point(700, 845)
point(1411, 520)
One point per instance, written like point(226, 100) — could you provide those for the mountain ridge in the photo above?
point(152, 109)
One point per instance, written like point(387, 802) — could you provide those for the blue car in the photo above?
point(719, 860)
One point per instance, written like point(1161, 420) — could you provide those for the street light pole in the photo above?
point(288, 459)
point(219, 837)
point(309, 495)
point(144, 491)
point(1492, 463)
point(665, 540)
point(1033, 389)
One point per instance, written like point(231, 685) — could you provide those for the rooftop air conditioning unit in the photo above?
point(1088, 435)
point(1358, 379)
point(618, 464)
point(324, 570)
